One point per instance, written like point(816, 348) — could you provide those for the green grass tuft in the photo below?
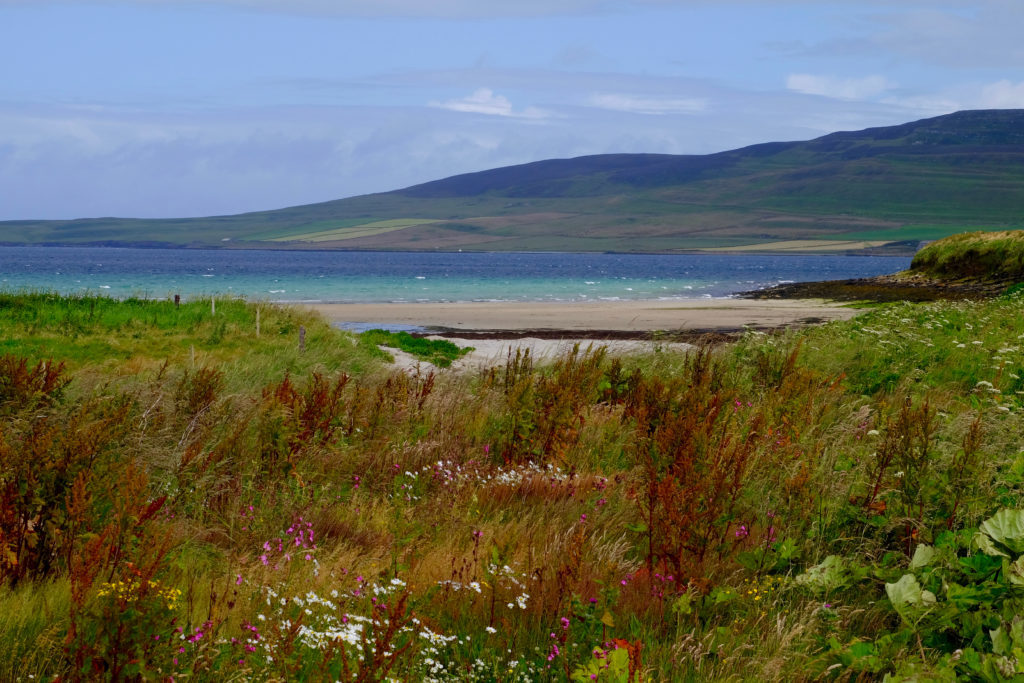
point(439, 352)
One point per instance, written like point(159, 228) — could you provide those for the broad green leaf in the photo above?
point(720, 595)
point(985, 544)
point(923, 556)
point(907, 593)
point(1006, 528)
point(1000, 641)
point(1017, 633)
point(862, 649)
point(683, 604)
point(829, 574)
point(787, 549)
point(1016, 572)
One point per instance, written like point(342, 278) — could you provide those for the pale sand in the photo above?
point(491, 352)
point(580, 322)
point(632, 316)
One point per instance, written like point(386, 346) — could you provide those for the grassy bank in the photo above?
point(975, 255)
point(185, 497)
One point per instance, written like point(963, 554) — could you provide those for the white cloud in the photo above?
point(1002, 94)
point(839, 88)
point(486, 101)
point(638, 104)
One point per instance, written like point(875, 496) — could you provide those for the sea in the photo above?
point(359, 276)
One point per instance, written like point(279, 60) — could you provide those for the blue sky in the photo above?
point(158, 108)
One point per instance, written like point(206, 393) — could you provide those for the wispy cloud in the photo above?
point(1002, 94)
point(486, 101)
point(839, 88)
point(641, 104)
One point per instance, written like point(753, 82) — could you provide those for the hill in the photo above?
point(882, 189)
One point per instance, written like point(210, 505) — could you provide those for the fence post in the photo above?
point(302, 337)
point(177, 300)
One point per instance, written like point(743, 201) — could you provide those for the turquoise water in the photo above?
point(302, 276)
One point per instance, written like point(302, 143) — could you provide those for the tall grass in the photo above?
point(262, 512)
point(997, 255)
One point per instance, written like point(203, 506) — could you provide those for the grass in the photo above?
point(97, 335)
point(976, 255)
point(438, 352)
point(752, 511)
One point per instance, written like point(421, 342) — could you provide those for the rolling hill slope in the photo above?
point(881, 188)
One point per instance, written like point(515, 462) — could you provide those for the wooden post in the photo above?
point(193, 348)
point(302, 337)
point(177, 300)
point(257, 321)
point(213, 306)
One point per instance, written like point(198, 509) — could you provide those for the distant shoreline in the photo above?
point(756, 250)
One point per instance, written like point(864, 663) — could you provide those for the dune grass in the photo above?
point(751, 512)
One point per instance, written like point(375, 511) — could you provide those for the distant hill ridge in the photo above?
point(877, 190)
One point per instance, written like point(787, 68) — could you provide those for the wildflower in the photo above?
point(491, 629)
point(742, 532)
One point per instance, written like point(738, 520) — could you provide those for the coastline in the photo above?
point(548, 330)
point(591, 319)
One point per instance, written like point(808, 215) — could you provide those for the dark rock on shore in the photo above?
point(884, 288)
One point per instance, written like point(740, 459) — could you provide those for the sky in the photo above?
point(160, 108)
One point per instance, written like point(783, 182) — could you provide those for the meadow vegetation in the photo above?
point(995, 255)
point(183, 498)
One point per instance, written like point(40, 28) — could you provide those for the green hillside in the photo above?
point(877, 189)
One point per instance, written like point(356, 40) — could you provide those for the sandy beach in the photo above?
point(550, 329)
point(592, 317)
